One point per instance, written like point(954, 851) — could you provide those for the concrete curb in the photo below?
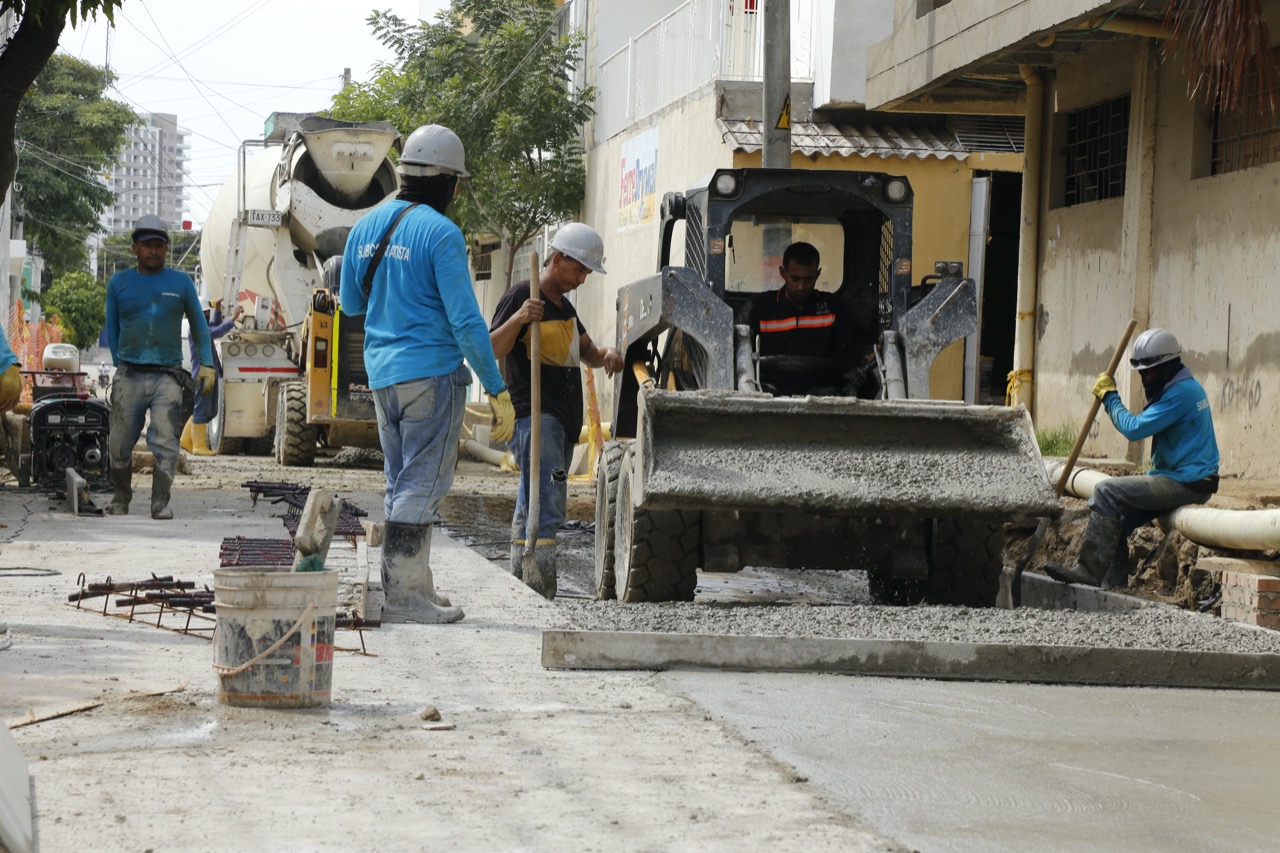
point(912, 659)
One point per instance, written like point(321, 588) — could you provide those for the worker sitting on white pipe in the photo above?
point(1184, 460)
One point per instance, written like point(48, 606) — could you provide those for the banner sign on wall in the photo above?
point(638, 186)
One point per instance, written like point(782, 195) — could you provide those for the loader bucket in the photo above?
point(730, 450)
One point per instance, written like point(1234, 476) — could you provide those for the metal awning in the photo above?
point(865, 139)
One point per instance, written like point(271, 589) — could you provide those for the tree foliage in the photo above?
point(497, 72)
point(40, 25)
point(67, 134)
point(80, 301)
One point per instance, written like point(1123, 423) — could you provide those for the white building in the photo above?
point(150, 175)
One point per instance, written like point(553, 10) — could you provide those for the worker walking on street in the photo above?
point(195, 435)
point(576, 252)
point(145, 307)
point(797, 319)
point(405, 269)
point(1184, 460)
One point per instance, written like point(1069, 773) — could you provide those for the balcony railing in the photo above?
point(698, 42)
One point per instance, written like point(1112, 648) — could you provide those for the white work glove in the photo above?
point(504, 417)
point(208, 379)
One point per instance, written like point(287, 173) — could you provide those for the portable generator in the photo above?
point(67, 424)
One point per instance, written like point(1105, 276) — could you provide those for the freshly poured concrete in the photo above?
point(954, 766)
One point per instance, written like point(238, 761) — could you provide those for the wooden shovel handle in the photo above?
point(1093, 410)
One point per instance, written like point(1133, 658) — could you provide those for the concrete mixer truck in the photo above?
point(293, 372)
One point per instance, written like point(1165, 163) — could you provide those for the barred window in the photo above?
point(1248, 135)
point(1096, 151)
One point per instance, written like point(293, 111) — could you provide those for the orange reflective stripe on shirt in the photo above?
point(787, 324)
point(817, 321)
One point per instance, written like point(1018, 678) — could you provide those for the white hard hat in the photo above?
point(1154, 346)
point(433, 150)
point(582, 243)
point(150, 227)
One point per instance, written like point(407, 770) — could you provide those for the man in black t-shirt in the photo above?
point(577, 251)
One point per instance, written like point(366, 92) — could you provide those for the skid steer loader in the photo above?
point(711, 472)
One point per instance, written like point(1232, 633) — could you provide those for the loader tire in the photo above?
point(295, 438)
point(965, 559)
point(656, 552)
point(606, 510)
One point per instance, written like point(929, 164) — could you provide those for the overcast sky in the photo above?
point(223, 67)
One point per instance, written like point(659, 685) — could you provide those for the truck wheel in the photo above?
point(656, 552)
point(219, 443)
point(965, 560)
point(295, 438)
point(606, 510)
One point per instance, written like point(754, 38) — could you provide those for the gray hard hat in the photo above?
point(150, 227)
point(433, 150)
point(1154, 346)
point(582, 243)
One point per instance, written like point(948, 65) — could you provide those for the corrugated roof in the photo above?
point(989, 133)
point(866, 139)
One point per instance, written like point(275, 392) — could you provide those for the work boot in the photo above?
point(406, 577)
point(1117, 576)
point(122, 489)
point(517, 558)
point(200, 440)
point(161, 485)
point(185, 441)
point(540, 576)
point(1096, 553)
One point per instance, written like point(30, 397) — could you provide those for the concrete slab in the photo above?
point(16, 833)
point(902, 659)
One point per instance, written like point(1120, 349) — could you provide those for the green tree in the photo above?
point(40, 25)
point(68, 134)
point(497, 72)
point(80, 301)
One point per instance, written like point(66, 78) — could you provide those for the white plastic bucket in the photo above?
point(273, 647)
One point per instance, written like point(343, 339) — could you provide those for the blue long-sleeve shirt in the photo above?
point(144, 318)
point(1180, 425)
point(421, 317)
point(218, 328)
point(7, 357)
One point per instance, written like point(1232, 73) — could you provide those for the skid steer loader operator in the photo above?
point(806, 338)
point(1184, 460)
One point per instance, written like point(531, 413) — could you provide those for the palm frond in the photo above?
point(1224, 42)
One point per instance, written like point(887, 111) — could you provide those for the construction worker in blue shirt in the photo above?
point(145, 307)
point(1184, 460)
point(421, 321)
point(10, 376)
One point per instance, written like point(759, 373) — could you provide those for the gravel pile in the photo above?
point(1148, 628)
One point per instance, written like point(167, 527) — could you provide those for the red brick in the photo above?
point(1265, 583)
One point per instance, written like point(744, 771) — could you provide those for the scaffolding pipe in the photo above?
point(1235, 529)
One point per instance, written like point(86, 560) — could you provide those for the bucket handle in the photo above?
point(236, 670)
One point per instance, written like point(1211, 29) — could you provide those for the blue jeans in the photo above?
point(206, 406)
point(1139, 499)
point(133, 394)
point(553, 476)
point(418, 426)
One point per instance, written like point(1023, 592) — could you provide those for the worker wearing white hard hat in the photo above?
point(1184, 460)
point(577, 250)
point(405, 269)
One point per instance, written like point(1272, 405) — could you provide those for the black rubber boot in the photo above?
point(516, 566)
point(161, 486)
point(406, 577)
point(1096, 553)
point(1117, 576)
point(122, 488)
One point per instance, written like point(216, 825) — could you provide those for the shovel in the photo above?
point(1014, 590)
point(529, 563)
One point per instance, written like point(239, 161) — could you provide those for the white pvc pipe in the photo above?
point(1237, 529)
point(486, 454)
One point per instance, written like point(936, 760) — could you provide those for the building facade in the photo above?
point(1148, 202)
point(150, 175)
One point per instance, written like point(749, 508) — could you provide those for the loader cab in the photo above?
point(738, 222)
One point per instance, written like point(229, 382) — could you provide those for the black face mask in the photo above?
point(1156, 378)
point(435, 191)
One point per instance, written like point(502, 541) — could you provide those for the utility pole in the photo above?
point(776, 118)
point(346, 79)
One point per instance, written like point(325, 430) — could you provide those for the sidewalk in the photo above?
point(537, 759)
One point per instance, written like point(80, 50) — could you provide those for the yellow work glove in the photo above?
point(504, 417)
point(207, 378)
point(1103, 386)
point(10, 388)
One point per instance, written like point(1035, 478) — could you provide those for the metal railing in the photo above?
point(696, 43)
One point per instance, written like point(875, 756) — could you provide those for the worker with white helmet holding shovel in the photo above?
point(576, 252)
point(1184, 460)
